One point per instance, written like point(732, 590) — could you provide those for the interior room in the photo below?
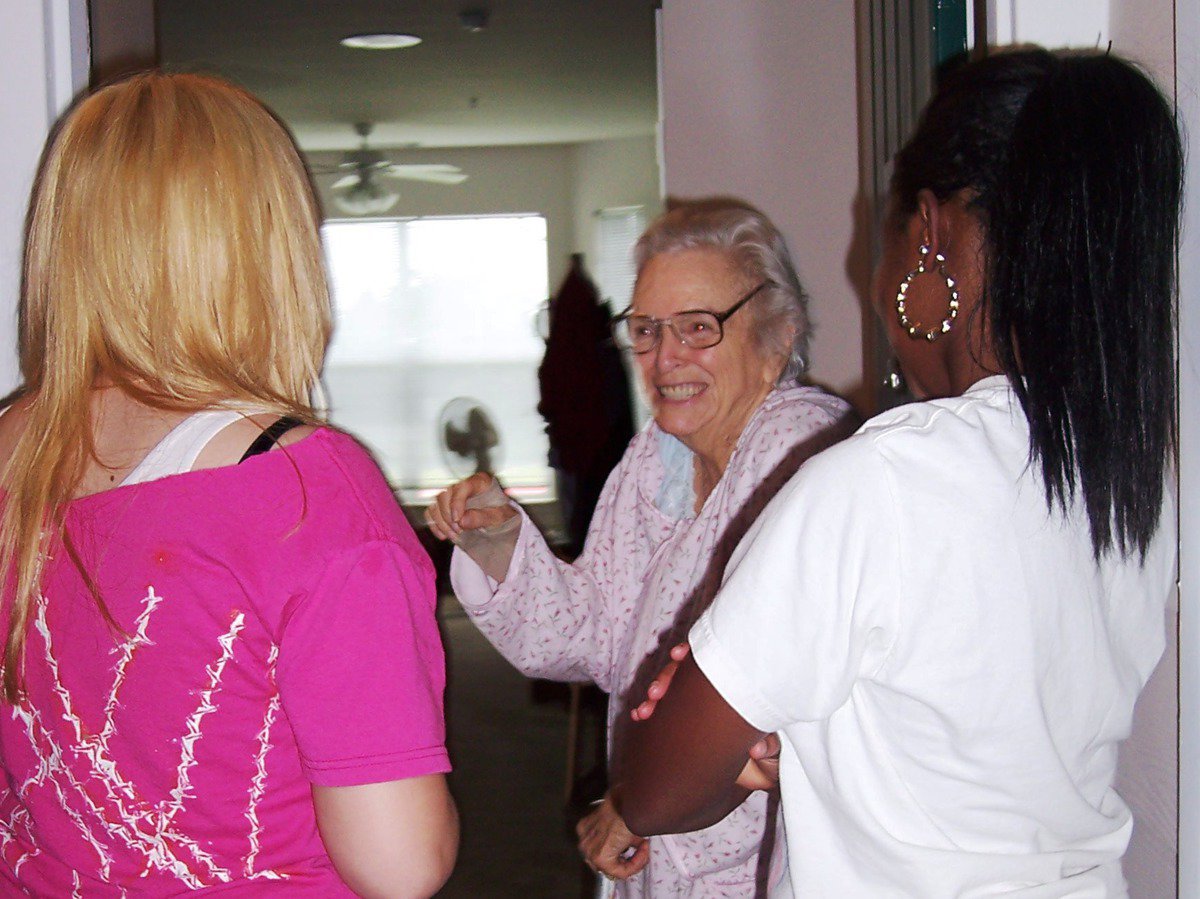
point(458, 176)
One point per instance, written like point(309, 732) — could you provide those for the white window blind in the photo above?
point(616, 233)
point(428, 310)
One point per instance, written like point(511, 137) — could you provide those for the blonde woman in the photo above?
point(221, 666)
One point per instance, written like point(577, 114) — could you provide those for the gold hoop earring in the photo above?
point(914, 331)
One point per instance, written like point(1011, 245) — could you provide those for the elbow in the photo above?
point(392, 840)
point(411, 878)
point(445, 856)
point(642, 813)
point(652, 812)
point(641, 821)
point(426, 879)
point(647, 821)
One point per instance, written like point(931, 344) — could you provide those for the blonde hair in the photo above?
point(173, 251)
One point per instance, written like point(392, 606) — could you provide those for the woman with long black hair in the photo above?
point(949, 616)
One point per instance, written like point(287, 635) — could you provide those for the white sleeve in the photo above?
point(812, 595)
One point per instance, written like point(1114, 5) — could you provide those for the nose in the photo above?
point(670, 352)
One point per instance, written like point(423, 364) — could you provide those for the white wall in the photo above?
point(1187, 44)
point(1080, 23)
point(43, 62)
point(1143, 30)
point(609, 174)
point(759, 100)
point(499, 180)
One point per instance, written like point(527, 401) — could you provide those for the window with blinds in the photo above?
point(617, 231)
point(427, 311)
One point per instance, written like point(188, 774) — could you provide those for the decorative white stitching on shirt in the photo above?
point(183, 783)
point(20, 818)
point(139, 638)
point(258, 783)
point(55, 759)
point(118, 812)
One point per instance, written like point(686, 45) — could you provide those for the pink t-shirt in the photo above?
point(279, 631)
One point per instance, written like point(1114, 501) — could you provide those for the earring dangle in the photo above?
point(914, 330)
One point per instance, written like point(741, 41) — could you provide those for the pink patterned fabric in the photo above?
point(279, 631)
point(643, 578)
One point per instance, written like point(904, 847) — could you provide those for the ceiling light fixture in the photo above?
point(366, 198)
point(380, 41)
point(473, 20)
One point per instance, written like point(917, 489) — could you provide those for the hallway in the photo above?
point(509, 759)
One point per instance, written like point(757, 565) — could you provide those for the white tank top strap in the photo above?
point(178, 451)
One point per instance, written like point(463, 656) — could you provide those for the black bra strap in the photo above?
point(269, 437)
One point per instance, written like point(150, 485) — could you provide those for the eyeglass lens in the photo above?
point(698, 330)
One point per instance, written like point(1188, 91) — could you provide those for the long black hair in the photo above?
point(1074, 164)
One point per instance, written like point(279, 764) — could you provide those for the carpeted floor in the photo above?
point(509, 756)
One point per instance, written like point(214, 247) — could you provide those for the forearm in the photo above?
point(549, 619)
point(662, 812)
point(492, 546)
point(677, 771)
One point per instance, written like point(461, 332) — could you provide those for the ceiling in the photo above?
point(542, 71)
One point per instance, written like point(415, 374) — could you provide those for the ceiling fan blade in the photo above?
point(433, 173)
point(347, 181)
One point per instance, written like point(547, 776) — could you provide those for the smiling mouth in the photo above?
point(679, 392)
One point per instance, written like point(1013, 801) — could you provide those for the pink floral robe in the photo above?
point(649, 567)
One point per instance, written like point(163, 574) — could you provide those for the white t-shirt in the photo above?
point(950, 669)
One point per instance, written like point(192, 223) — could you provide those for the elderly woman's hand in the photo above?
point(661, 683)
point(606, 843)
point(473, 503)
point(761, 771)
point(475, 515)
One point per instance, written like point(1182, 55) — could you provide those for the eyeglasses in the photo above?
point(695, 328)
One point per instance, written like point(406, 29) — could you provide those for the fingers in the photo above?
point(761, 771)
point(439, 517)
point(768, 747)
point(607, 845)
point(613, 860)
point(445, 515)
point(661, 683)
point(485, 518)
point(656, 691)
point(456, 497)
point(439, 526)
point(753, 777)
point(621, 868)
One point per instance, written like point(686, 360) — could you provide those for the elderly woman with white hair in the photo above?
point(719, 331)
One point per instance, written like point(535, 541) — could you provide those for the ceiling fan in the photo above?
point(363, 188)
